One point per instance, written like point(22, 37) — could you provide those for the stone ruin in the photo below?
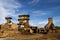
point(50, 26)
point(23, 26)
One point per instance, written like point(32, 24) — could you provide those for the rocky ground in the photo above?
point(19, 36)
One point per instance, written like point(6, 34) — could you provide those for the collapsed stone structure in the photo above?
point(9, 25)
point(24, 26)
point(50, 26)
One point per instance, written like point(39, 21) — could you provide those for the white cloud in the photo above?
point(10, 4)
point(33, 23)
point(7, 8)
point(34, 2)
point(56, 20)
point(43, 23)
point(39, 13)
point(50, 1)
point(38, 23)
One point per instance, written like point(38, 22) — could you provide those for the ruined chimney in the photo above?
point(50, 20)
point(8, 19)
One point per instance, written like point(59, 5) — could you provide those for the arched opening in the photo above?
point(20, 27)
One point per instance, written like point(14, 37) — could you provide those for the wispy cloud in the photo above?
point(56, 20)
point(40, 13)
point(50, 1)
point(39, 24)
point(43, 23)
point(7, 8)
point(34, 2)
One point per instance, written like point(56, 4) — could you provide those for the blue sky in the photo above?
point(39, 11)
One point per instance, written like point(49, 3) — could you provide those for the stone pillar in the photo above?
point(49, 25)
point(8, 19)
point(50, 20)
point(8, 23)
point(24, 20)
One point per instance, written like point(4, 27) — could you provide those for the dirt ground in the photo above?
point(49, 36)
point(36, 36)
